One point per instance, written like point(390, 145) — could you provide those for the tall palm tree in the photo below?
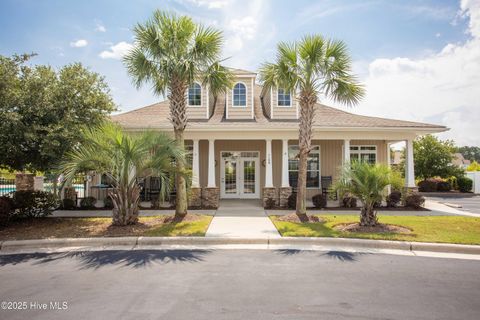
point(171, 52)
point(311, 67)
point(123, 158)
point(368, 183)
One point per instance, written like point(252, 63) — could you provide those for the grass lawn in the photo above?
point(44, 228)
point(454, 229)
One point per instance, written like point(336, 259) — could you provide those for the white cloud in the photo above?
point(100, 28)
point(442, 87)
point(116, 51)
point(210, 4)
point(79, 43)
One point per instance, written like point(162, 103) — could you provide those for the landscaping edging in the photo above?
point(132, 242)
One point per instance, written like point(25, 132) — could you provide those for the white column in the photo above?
point(268, 164)
point(195, 165)
point(211, 163)
point(285, 181)
point(389, 160)
point(409, 168)
point(346, 151)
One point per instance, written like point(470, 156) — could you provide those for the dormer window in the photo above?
point(284, 99)
point(239, 95)
point(195, 95)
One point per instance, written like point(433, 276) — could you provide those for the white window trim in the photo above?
point(360, 152)
point(319, 166)
point(201, 97)
point(246, 95)
point(285, 106)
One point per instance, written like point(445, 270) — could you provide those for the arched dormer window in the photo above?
point(284, 99)
point(195, 95)
point(239, 95)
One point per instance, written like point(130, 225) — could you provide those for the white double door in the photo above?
point(240, 175)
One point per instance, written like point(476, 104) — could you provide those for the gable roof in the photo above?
point(157, 116)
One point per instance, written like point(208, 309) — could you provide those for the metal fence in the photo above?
point(6, 186)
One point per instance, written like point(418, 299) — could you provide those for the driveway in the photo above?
point(240, 284)
point(469, 204)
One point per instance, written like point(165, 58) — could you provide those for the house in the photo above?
point(244, 145)
point(460, 161)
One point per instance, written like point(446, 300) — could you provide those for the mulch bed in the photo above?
point(292, 217)
point(379, 228)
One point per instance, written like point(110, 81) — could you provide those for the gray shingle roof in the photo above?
point(156, 116)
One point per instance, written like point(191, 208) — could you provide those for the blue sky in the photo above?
point(416, 58)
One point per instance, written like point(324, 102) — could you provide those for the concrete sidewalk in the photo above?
point(242, 219)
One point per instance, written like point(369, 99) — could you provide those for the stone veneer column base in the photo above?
point(210, 198)
point(24, 182)
point(269, 193)
point(285, 192)
point(195, 198)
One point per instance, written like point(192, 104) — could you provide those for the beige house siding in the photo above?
point(331, 158)
point(240, 112)
point(198, 112)
point(283, 112)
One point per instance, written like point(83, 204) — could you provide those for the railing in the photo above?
point(6, 186)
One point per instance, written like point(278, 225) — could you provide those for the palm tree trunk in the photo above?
point(178, 116)
point(368, 216)
point(125, 205)
point(181, 205)
point(307, 102)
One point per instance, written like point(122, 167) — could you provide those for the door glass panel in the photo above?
point(230, 177)
point(248, 176)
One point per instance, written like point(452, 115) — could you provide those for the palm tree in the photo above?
point(368, 183)
point(170, 53)
point(308, 68)
point(123, 158)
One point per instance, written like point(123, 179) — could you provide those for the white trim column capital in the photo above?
point(268, 164)
point(285, 180)
point(211, 164)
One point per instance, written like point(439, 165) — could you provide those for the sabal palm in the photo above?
point(170, 53)
point(124, 157)
point(368, 183)
point(309, 68)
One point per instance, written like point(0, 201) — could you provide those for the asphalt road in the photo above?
point(239, 284)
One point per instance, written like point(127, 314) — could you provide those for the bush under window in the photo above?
point(319, 201)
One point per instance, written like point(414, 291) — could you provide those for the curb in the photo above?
point(132, 242)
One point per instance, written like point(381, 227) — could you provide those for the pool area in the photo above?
point(7, 188)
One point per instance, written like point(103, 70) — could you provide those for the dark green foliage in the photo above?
point(464, 184)
point(108, 203)
point(319, 201)
point(393, 199)
point(33, 204)
point(444, 186)
point(43, 110)
point(433, 158)
point(470, 153)
point(270, 203)
point(88, 203)
point(6, 209)
point(414, 200)
point(428, 185)
point(68, 204)
point(349, 202)
point(292, 201)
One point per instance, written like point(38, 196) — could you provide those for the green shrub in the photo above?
point(428, 185)
point(68, 204)
point(88, 203)
point(393, 199)
point(414, 200)
point(453, 182)
point(319, 201)
point(6, 210)
point(444, 186)
point(464, 184)
point(292, 201)
point(349, 202)
point(33, 204)
point(108, 203)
